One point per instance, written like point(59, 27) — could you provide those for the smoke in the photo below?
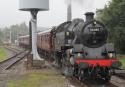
point(86, 4)
point(79, 1)
point(76, 1)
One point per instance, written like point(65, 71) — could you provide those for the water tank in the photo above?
point(28, 5)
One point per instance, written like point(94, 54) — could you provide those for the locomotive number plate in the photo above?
point(94, 29)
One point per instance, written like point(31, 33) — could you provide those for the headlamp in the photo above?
point(110, 55)
point(67, 33)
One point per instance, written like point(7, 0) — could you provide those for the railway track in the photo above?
point(119, 78)
point(117, 81)
point(8, 63)
point(12, 49)
point(120, 73)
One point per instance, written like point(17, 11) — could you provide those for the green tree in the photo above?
point(113, 16)
point(16, 31)
point(1, 36)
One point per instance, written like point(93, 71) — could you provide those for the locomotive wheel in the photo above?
point(108, 78)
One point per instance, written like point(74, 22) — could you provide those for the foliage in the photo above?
point(122, 60)
point(1, 35)
point(2, 54)
point(113, 16)
point(15, 31)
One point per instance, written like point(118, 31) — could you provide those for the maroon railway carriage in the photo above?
point(45, 42)
point(24, 41)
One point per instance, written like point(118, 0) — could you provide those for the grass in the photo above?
point(46, 79)
point(2, 54)
point(122, 60)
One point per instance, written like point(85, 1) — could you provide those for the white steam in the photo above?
point(86, 4)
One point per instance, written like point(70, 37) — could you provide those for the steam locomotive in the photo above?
point(79, 48)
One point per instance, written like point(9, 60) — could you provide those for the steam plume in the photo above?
point(84, 3)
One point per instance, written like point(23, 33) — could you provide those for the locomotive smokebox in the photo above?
point(89, 16)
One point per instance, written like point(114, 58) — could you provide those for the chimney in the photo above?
point(89, 16)
point(69, 11)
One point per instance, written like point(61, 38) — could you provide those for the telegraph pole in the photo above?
point(10, 36)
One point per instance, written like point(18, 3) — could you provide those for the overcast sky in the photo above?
point(9, 13)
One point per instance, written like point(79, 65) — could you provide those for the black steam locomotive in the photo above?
point(82, 50)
